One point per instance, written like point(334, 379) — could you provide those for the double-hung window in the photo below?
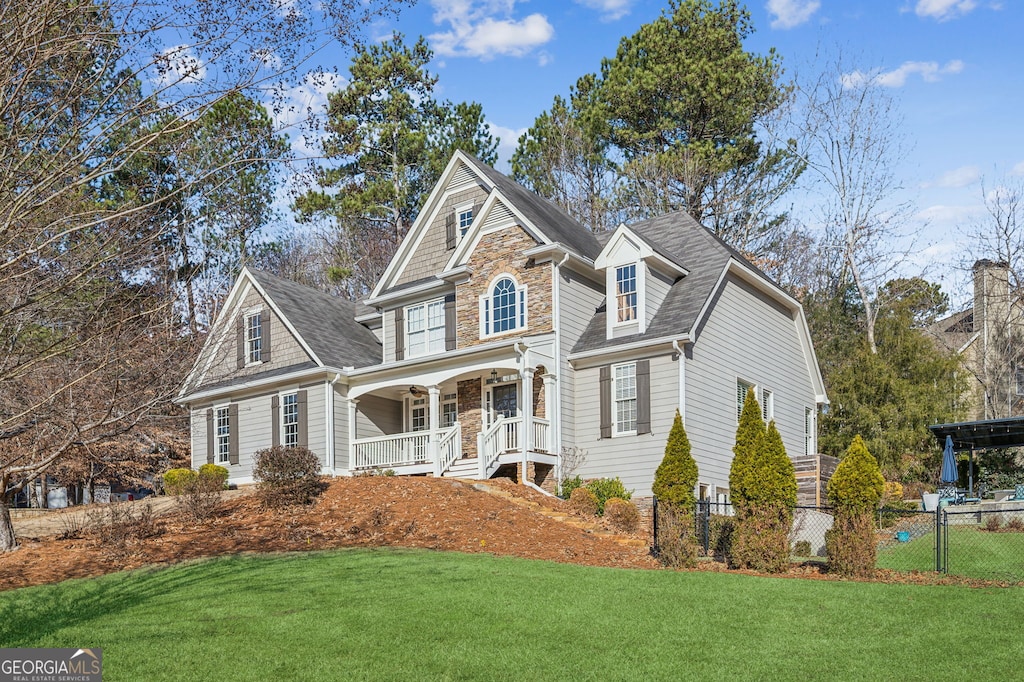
point(424, 328)
point(503, 307)
point(223, 434)
point(767, 405)
point(625, 293)
point(463, 219)
point(290, 419)
point(624, 396)
point(254, 338)
point(741, 396)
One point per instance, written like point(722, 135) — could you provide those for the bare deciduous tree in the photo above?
point(95, 98)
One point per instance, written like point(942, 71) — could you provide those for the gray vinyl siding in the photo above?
point(316, 416)
point(431, 254)
point(634, 459)
point(378, 416)
point(285, 350)
point(578, 299)
point(198, 428)
point(749, 338)
point(657, 286)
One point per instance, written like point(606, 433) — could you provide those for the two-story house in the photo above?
point(502, 335)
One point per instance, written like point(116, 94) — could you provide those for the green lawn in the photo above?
point(411, 615)
point(973, 553)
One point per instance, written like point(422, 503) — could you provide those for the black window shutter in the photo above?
point(300, 401)
point(449, 322)
point(399, 334)
point(275, 420)
point(241, 341)
point(209, 437)
point(449, 231)
point(606, 401)
point(265, 341)
point(643, 396)
point(233, 435)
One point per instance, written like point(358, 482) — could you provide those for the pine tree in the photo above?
point(749, 440)
point(677, 474)
point(855, 491)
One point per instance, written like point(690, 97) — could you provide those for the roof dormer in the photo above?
point(637, 279)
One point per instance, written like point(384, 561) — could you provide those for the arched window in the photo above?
point(503, 306)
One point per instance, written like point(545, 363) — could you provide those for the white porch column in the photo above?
point(434, 423)
point(526, 433)
point(352, 431)
point(551, 414)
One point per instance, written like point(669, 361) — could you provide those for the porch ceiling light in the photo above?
point(414, 391)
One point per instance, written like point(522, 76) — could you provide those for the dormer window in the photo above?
point(463, 219)
point(625, 293)
point(503, 307)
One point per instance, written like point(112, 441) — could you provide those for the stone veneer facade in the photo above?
point(501, 252)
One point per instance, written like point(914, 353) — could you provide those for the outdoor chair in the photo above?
point(948, 495)
point(1018, 493)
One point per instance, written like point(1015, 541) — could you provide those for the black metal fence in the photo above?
point(983, 541)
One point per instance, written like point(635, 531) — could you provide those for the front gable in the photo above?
point(225, 356)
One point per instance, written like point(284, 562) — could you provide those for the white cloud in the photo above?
point(943, 10)
point(486, 29)
point(178, 65)
point(509, 140)
point(1018, 169)
point(948, 217)
point(958, 177)
point(610, 9)
point(930, 72)
point(790, 13)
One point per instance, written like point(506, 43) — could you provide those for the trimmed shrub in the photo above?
point(605, 489)
point(622, 515)
point(583, 501)
point(855, 490)
point(763, 487)
point(673, 485)
point(287, 476)
point(176, 480)
point(802, 548)
point(215, 474)
point(568, 485)
point(677, 474)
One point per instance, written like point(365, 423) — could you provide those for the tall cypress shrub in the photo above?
point(855, 492)
point(763, 486)
point(673, 485)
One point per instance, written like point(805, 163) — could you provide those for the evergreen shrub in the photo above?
point(674, 482)
point(854, 492)
point(583, 502)
point(622, 515)
point(177, 480)
point(287, 476)
point(605, 489)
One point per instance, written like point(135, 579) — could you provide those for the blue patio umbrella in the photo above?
point(949, 473)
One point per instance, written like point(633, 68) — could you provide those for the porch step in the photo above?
point(463, 468)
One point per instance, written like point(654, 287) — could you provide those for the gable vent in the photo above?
point(500, 214)
point(463, 176)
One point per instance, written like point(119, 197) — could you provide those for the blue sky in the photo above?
point(954, 66)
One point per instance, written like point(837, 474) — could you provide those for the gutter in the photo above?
point(312, 372)
point(682, 379)
point(625, 347)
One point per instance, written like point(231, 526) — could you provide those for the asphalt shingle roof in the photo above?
point(684, 241)
point(327, 323)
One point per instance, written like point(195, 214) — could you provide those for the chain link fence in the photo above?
point(983, 541)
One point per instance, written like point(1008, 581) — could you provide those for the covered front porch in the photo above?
point(467, 422)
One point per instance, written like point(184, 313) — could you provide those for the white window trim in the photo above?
point(226, 407)
point(282, 424)
point(612, 304)
point(460, 209)
point(522, 305)
point(736, 395)
point(426, 328)
point(614, 406)
point(767, 403)
point(246, 316)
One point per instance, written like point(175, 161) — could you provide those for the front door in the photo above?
point(504, 401)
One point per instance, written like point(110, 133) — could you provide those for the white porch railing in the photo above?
point(389, 451)
point(500, 437)
point(449, 448)
point(541, 434)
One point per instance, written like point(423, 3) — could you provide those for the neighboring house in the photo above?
point(504, 334)
point(989, 337)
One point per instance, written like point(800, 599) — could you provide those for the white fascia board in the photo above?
point(402, 367)
point(627, 348)
point(621, 234)
point(456, 275)
point(969, 342)
point(472, 238)
point(402, 294)
point(423, 220)
point(248, 386)
point(556, 251)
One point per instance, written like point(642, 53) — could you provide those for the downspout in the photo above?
point(329, 420)
point(555, 417)
point(682, 379)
